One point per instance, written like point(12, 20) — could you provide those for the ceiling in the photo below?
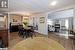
point(35, 6)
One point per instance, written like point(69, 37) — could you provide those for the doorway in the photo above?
point(61, 26)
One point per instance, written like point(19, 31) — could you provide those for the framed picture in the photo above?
point(42, 19)
point(14, 20)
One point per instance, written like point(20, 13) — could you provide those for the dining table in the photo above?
point(38, 43)
point(28, 31)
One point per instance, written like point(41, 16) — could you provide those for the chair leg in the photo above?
point(26, 35)
point(74, 40)
point(31, 35)
point(19, 33)
point(23, 36)
point(34, 34)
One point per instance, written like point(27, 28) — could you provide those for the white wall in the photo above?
point(31, 21)
point(74, 19)
point(61, 14)
point(42, 27)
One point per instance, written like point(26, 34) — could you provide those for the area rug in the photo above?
point(38, 43)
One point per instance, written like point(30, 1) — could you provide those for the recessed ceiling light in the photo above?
point(53, 3)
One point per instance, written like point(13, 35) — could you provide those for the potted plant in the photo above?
point(25, 23)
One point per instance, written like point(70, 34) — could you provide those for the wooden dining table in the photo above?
point(38, 43)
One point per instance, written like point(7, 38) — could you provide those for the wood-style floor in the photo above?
point(14, 39)
point(67, 43)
